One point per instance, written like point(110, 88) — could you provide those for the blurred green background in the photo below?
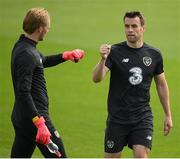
point(77, 105)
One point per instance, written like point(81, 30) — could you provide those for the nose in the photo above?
point(130, 29)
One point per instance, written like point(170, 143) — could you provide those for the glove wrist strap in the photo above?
point(35, 119)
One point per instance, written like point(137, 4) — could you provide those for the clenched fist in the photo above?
point(74, 55)
point(104, 50)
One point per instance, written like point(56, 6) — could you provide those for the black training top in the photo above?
point(27, 69)
point(132, 70)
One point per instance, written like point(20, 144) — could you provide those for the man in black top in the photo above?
point(132, 64)
point(30, 116)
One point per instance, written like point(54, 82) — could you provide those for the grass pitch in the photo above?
point(77, 105)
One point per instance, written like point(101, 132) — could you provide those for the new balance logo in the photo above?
point(125, 60)
point(149, 137)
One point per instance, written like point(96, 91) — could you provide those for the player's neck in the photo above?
point(137, 44)
point(32, 37)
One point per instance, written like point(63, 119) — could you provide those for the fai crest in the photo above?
point(147, 61)
point(110, 144)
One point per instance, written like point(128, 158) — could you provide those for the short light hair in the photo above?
point(133, 14)
point(34, 19)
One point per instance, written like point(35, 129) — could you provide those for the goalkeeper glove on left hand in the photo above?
point(74, 55)
point(43, 134)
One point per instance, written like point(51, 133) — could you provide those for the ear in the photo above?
point(40, 30)
point(143, 29)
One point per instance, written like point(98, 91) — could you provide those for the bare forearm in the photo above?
point(99, 71)
point(163, 93)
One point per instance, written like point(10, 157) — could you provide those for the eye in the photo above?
point(126, 26)
point(134, 26)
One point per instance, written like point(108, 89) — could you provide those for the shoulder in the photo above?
point(119, 45)
point(25, 59)
point(153, 53)
point(24, 51)
point(25, 55)
point(117, 49)
point(152, 49)
point(22, 46)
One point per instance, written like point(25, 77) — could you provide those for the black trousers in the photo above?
point(24, 142)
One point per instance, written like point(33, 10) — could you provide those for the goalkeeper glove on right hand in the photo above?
point(43, 134)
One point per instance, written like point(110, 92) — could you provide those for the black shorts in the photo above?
point(117, 135)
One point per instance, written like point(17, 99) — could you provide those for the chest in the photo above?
point(136, 64)
point(39, 69)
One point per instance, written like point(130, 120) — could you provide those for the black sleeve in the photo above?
point(25, 64)
point(52, 60)
point(109, 60)
point(159, 67)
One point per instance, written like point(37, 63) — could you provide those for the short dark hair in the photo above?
point(133, 14)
